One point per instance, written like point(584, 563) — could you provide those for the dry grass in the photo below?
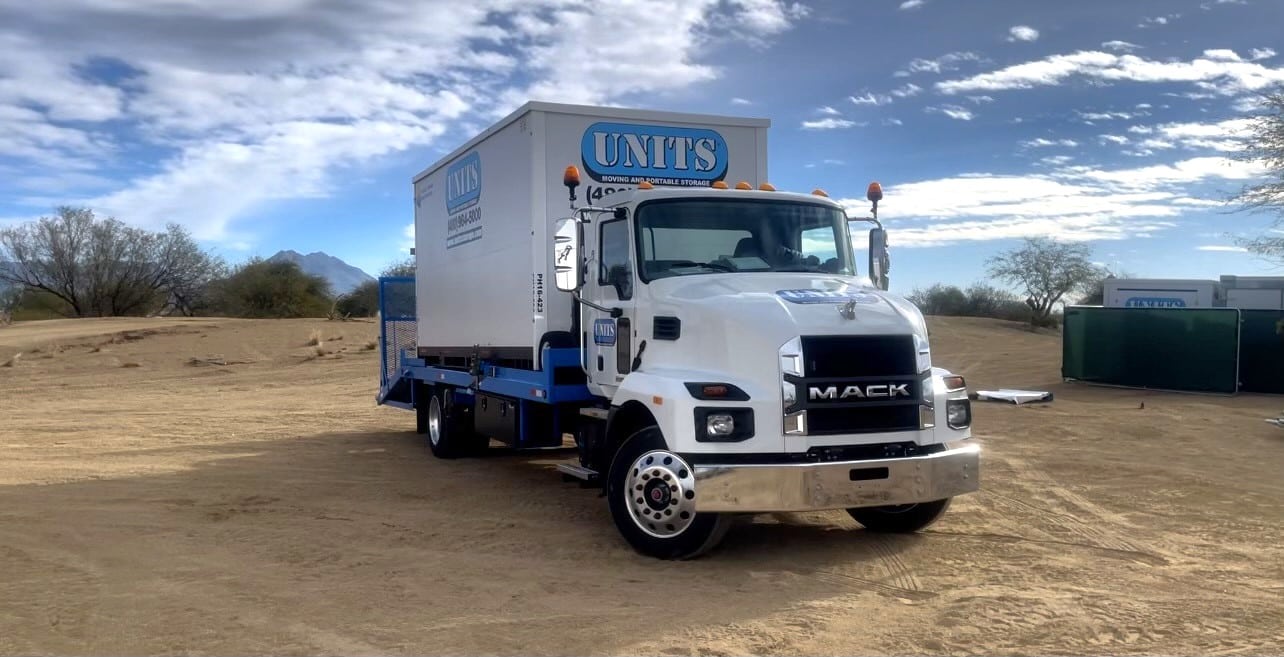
point(370, 346)
point(128, 364)
point(13, 360)
point(315, 338)
point(320, 351)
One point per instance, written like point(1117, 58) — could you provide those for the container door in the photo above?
point(611, 284)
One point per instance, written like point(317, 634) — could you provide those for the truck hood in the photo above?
point(784, 305)
point(737, 322)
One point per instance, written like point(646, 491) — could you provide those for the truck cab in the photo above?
point(746, 366)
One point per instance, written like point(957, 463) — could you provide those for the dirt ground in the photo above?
point(215, 487)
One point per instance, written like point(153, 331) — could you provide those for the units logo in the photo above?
point(663, 155)
point(1155, 302)
point(463, 201)
point(604, 332)
point(826, 296)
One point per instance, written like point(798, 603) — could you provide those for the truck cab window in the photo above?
point(615, 269)
point(689, 237)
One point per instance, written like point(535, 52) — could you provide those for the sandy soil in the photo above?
point(151, 503)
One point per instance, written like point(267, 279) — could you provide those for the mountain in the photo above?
point(342, 276)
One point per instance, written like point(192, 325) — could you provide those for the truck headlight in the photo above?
point(720, 424)
point(723, 425)
point(958, 413)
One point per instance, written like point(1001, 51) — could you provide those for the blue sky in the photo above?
point(297, 124)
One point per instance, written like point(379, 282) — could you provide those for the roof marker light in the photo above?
point(819, 192)
point(743, 185)
point(571, 178)
point(767, 187)
point(875, 192)
point(718, 184)
point(645, 185)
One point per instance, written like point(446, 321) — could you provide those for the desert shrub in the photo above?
point(363, 301)
point(259, 288)
point(978, 300)
point(940, 300)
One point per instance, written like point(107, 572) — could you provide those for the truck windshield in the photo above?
point(682, 237)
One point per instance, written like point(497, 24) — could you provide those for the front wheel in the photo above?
point(900, 519)
point(651, 493)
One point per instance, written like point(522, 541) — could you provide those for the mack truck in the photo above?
point(627, 288)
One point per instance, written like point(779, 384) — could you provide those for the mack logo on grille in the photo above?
point(876, 391)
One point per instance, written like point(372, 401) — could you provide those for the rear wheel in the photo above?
point(449, 426)
point(651, 493)
point(900, 519)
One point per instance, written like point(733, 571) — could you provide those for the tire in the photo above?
point(670, 536)
point(448, 426)
point(902, 519)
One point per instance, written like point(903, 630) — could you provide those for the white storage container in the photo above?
point(483, 213)
point(1161, 293)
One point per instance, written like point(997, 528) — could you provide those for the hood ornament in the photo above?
point(848, 310)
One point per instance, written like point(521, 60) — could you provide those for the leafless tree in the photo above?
point(1264, 144)
point(48, 255)
point(1046, 270)
point(105, 267)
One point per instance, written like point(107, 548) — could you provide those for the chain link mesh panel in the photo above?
point(398, 330)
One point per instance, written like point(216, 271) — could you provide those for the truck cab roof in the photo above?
point(624, 197)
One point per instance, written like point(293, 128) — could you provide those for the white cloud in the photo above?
point(1114, 139)
point(1261, 53)
point(981, 99)
point(893, 122)
point(911, 4)
point(1158, 20)
point(870, 99)
point(408, 237)
point(1043, 143)
point(830, 124)
point(1221, 247)
point(1212, 74)
point(1070, 203)
point(827, 110)
point(1120, 46)
point(1022, 33)
point(1056, 160)
point(953, 111)
point(741, 101)
point(1104, 116)
point(908, 90)
point(947, 62)
point(258, 102)
point(833, 162)
point(1223, 136)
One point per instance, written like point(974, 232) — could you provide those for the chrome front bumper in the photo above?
point(837, 485)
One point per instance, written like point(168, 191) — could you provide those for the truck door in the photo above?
point(611, 285)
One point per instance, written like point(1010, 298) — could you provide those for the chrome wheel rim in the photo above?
point(659, 493)
point(434, 420)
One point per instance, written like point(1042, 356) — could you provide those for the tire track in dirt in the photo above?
point(1079, 520)
point(901, 576)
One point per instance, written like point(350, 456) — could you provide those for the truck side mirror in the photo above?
point(567, 272)
point(879, 260)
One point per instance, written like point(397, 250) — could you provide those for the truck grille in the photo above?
point(846, 356)
point(864, 384)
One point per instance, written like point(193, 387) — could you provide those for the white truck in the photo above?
point(631, 280)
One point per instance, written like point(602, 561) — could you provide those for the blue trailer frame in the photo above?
point(401, 367)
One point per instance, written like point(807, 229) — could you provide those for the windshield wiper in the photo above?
point(814, 270)
point(708, 265)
